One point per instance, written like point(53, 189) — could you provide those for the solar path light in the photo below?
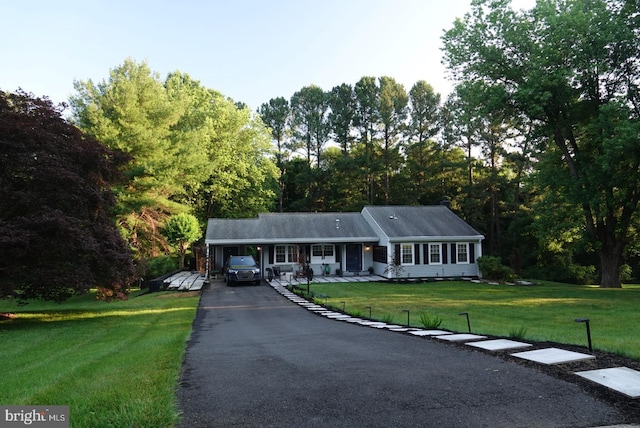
point(586, 321)
point(369, 307)
point(407, 311)
point(468, 323)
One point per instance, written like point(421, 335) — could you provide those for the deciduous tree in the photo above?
point(57, 228)
point(182, 230)
point(571, 67)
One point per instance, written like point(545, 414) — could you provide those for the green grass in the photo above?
point(544, 312)
point(115, 364)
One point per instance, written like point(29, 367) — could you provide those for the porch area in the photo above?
point(285, 279)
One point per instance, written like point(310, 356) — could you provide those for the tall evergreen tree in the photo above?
point(309, 126)
point(275, 114)
point(367, 121)
point(393, 113)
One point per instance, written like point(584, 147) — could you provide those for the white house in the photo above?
point(407, 241)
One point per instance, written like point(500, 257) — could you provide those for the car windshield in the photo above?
point(240, 262)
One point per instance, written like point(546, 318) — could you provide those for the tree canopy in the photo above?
point(57, 235)
point(181, 230)
point(570, 67)
point(536, 147)
point(191, 149)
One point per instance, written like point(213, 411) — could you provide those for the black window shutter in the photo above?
point(445, 252)
point(453, 253)
point(271, 251)
point(307, 257)
point(396, 254)
point(472, 252)
point(416, 256)
point(425, 251)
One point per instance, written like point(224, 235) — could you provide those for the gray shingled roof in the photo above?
point(291, 228)
point(397, 222)
point(419, 221)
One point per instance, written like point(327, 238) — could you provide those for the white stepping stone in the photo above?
point(621, 379)
point(499, 344)
point(430, 332)
point(339, 317)
point(462, 337)
point(552, 356)
point(374, 324)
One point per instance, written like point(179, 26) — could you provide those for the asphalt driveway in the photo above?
point(255, 359)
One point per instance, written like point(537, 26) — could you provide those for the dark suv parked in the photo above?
point(241, 269)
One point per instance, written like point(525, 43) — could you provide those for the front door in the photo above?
point(354, 257)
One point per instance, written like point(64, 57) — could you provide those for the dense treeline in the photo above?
point(376, 143)
point(537, 147)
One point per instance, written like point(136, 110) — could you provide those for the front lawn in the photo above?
point(542, 312)
point(115, 364)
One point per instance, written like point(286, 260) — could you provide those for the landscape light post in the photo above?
point(407, 311)
point(586, 321)
point(369, 307)
point(468, 323)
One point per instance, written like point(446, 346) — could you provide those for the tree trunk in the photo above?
point(610, 259)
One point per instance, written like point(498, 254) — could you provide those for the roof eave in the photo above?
point(450, 238)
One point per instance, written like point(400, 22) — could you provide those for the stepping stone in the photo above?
point(499, 344)
point(339, 317)
point(374, 324)
point(462, 337)
point(430, 332)
point(552, 356)
point(394, 326)
point(621, 379)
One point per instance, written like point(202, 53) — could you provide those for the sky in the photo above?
point(249, 50)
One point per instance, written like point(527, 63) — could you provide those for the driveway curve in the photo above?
point(255, 359)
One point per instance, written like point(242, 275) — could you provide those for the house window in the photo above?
point(434, 254)
point(380, 254)
point(322, 253)
point(463, 253)
point(292, 254)
point(286, 253)
point(406, 251)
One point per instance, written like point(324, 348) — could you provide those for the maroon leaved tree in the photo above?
point(57, 230)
